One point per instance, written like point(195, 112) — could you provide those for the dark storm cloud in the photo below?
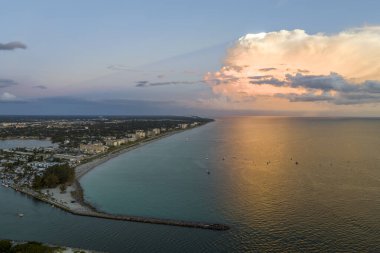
point(42, 87)
point(5, 83)
point(319, 82)
point(292, 97)
point(142, 83)
point(12, 45)
point(267, 79)
point(266, 69)
point(152, 84)
point(332, 88)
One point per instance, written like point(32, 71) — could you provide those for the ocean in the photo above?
point(281, 184)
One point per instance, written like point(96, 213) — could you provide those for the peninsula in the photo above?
point(51, 174)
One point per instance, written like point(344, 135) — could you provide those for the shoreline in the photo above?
point(84, 168)
point(73, 201)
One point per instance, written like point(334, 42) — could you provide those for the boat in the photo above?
point(208, 172)
point(20, 215)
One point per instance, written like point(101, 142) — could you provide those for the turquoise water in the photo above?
point(329, 201)
point(25, 143)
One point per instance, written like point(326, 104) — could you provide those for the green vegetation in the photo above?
point(6, 246)
point(54, 176)
point(84, 129)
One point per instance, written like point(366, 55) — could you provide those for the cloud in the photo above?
point(152, 84)
point(42, 87)
point(142, 83)
point(341, 68)
point(5, 83)
point(266, 69)
point(12, 45)
point(7, 97)
point(120, 67)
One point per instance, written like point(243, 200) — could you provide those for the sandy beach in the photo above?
point(72, 199)
point(82, 169)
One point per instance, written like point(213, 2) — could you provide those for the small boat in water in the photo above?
point(20, 215)
point(208, 172)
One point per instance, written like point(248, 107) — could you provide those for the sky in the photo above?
point(242, 57)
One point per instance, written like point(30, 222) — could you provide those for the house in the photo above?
point(115, 142)
point(183, 126)
point(140, 134)
point(156, 131)
point(112, 143)
point(93, 148)
point(149, 133)
point(132, 137)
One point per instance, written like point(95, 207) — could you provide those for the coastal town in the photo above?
point(51, 173)
point(74, 141)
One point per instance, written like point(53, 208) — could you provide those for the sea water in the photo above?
point(281, 184)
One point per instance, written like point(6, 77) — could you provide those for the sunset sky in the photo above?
point(283, 57)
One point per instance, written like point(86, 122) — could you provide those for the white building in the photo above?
point(156, 131)
point(183, 125)
point(93, 148)
point(140, 134)
point(116, 142)
point(132, 137)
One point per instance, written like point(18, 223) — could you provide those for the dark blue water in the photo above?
point(329, 201)
point(25, 143)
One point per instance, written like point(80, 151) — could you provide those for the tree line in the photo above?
point(54, 176)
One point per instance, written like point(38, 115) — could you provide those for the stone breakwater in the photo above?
point(97, 214)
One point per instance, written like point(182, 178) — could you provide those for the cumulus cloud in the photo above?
point(5, 83)
point(7, 97)
point(12, 45)
point(342, 68)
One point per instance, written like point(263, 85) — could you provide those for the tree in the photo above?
point(5, 245)
point(55, 175)
point(50, 181)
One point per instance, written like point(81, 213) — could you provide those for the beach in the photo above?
point(72, 199)
point(82, 169)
